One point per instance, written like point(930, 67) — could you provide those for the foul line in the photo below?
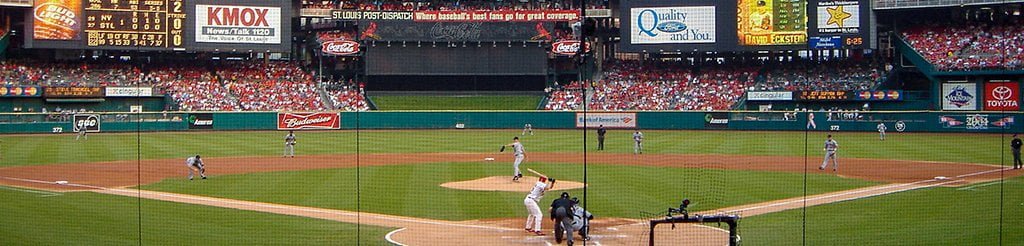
point(980, 185)
point(44, 193)
point(388, 237)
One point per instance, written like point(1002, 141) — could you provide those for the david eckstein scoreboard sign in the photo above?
point(238, 24)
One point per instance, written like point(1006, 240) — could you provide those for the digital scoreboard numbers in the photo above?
point(135, 23)
point(772, 22)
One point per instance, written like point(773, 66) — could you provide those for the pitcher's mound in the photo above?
point(505, 183)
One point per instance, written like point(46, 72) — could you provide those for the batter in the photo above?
point(531, 200)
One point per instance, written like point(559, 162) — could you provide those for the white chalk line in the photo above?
point(972, 187)
point(42, 193)
point(388, 237)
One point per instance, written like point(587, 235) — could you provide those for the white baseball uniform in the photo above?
point(638, 146)
point(193, 162)
point(881, 131)
point(519, 153)
point(830, 154)
point(531, 200)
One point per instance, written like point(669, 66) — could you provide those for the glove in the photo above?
point(502, 149)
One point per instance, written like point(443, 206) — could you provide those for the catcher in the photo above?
point(519, 153)
point(195, 164)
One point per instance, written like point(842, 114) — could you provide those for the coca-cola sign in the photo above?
point(339, 47)
point(298, 121)
point(568, 48)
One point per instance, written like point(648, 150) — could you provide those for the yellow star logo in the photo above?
point(837, 16)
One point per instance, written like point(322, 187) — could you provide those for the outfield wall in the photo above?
point(991, 122)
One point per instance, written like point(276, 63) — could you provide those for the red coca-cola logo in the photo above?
point(568, 47)
point(338, 47)
point(296, 121)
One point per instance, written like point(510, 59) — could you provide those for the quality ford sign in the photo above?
point(667, 25)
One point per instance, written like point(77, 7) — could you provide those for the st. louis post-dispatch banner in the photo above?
point(672, 25)
point(238, 24)
point(608, 120)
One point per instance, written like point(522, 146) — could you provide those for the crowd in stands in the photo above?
point(664, 86)
point(195, 86)
point(970, 45)
point(565, 97)
point(846, 75)
point(95, 72)
point(346, 95)
point(410, 5)
point(271, 86)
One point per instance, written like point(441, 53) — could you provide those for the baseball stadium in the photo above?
point(529, 122)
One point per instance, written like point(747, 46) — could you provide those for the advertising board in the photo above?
point(238, 24)
point(666, 25)
point(608, 120)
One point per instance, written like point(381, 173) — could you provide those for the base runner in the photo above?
point(195, 164)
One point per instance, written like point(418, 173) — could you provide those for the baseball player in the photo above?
point(581, 219)
point(519, 153)
point(528, 128)
point(881, 131)
point(194, 163)
point(82, 133)
point(289, 144)
point(638, 137)
point(531, 200)
point(561, 213)
point(600, 137)
point(830, 154)
point(1015, 145)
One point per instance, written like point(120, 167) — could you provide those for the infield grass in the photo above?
point(933, 216)
point(482, 102)
point(86, 218)
point(49, 149)
point(414, 190)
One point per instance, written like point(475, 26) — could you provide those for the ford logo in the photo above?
point(671, 26)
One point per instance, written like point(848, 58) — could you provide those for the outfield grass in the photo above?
point(456, 102)
point(414, 190)
point(86, 218)
point(50, 149)
point(935, 216)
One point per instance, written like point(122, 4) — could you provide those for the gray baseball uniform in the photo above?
point(289, 145)
point(638, 146)
point(830, 154)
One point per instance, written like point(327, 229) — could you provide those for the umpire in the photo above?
point(1015, 146)
point(561, 213)
point(600, 137)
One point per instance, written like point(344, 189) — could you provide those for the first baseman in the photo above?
point(638, 138)
point(194, 163)
point(881, 131)
point(830, 154)
point(531, 200)
point(519, 153)
point(289, 144)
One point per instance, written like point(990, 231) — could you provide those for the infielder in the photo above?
point(830, 154)
point(519, 153)
point(881, 131)
point(638, 138)
point(289, 144)
point(528, 128)
point(194, 163)
point(531, 200)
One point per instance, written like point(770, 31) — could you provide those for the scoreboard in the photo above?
point(135, 23)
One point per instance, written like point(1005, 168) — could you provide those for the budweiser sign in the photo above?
point(297, 121)
point(339, 47)
point(569, 47)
